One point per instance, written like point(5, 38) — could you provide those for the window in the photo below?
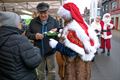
point(103, 9)
point(114, 5)
point(106, 7)
point(98, 11)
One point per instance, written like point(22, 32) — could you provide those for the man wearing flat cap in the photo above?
point(42, 7)
point(40, 24)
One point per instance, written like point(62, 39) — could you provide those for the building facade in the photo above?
point(115, 12)
point(86, 15)
point(112, 7)
point(105, 7)
point(93, 9)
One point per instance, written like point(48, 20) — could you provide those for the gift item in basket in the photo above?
point(51, 34)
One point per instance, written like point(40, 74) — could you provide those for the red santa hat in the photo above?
point(88, 37)
point(71, 10)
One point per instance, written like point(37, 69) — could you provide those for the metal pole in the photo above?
point(61, 3)
point(46, 70)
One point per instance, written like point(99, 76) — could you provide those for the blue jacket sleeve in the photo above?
point(65, 50)
point(30, 55)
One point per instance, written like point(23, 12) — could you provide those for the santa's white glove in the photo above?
point(53, 43)
point(60, 32)
point(88, 57)
point(90, 49)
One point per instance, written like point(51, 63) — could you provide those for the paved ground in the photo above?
point(108, 68)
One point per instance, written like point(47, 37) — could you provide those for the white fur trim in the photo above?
point(68, 1)
point(106, 37)
point(79, 31)
point(83, 36)
point(87, 57)
point(74, 47)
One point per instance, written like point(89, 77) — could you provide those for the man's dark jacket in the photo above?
point(36, 26)
point(18, 57)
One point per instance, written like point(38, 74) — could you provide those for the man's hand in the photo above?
point(39, 36)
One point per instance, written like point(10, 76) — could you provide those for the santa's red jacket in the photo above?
point(106, 30)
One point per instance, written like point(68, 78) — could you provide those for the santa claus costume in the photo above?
point(79, 38)
point(106, 34)
point(96, 26)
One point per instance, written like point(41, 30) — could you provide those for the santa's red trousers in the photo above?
point(105, 43)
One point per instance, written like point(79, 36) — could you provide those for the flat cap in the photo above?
point(42, 7)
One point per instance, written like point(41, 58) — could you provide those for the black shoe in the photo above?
point(103, 51)
point(96, 53)
point(93, 59)
point(108, 53)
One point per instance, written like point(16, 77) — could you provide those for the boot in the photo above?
point(96, 53)
point(93, 59)
point(103, 51)
point(108, 53)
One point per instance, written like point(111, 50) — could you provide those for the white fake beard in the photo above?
point(107, 20)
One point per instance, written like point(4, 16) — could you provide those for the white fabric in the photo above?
point(67, 1)
point(96, 26)
point(94, 37)
point(60, 33)
point(53, 43)
point(88, 57)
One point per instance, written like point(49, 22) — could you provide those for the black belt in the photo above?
point(105, 30)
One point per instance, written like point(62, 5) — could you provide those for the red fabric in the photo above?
point(74, 10)
point(72, 37)
point(102, 25)
point(112, 23)
point(105, 43)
